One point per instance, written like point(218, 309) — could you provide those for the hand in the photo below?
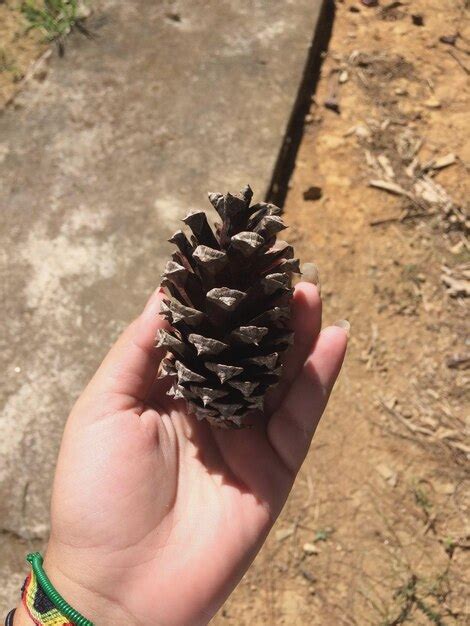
point(156, 516)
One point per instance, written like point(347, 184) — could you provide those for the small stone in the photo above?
point(370, 3)
point(389, 475)
point(310, 548)
point(450, 40)
point(362, 131)
point(308, 577)
point(343, 77)
point(332, 104)
point(417, 19)
point(173, 16)
point(433, 103)
point(313, 193)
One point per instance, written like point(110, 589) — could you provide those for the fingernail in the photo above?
point(344, 324)
point(310, 274)
point(153, 304)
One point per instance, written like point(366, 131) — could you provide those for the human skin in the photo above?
point(155, 516)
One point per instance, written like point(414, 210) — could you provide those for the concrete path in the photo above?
point(99, 159)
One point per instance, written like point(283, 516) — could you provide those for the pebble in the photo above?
point(417, 19)
point(362, 131)
point(310, 548)
point(313, 193)
point(389, 475)
point(433, 103)
point(450, 40)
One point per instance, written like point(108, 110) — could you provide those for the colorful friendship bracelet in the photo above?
point(44, 604)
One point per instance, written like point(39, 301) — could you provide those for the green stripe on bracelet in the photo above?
point(54, 596)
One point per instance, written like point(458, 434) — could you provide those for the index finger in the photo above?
point(292, 426)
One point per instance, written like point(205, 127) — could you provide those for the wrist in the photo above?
point(21, 616)
point(79, 593)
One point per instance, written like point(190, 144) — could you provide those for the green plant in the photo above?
point(422, 499)
point(411, 600)
point(323, 534)
point(54, 18)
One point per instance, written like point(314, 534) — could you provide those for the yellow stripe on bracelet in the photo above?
point(39, 607)
point(44, 602)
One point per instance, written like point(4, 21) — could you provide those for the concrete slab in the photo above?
point(99, 160)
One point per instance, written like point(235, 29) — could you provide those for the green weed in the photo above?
point(54, 18)
point(413, 599)
point(422, 499)
point(323, 534)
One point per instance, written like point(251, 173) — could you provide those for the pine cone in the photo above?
point(228, 304)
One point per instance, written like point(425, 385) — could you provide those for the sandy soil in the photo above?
point(19, 49)
point(376, 531)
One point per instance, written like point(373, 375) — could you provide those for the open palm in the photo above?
point(156, 516)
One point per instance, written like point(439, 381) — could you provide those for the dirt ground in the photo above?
point(376, 531)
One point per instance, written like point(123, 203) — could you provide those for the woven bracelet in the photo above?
point(44, 603)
